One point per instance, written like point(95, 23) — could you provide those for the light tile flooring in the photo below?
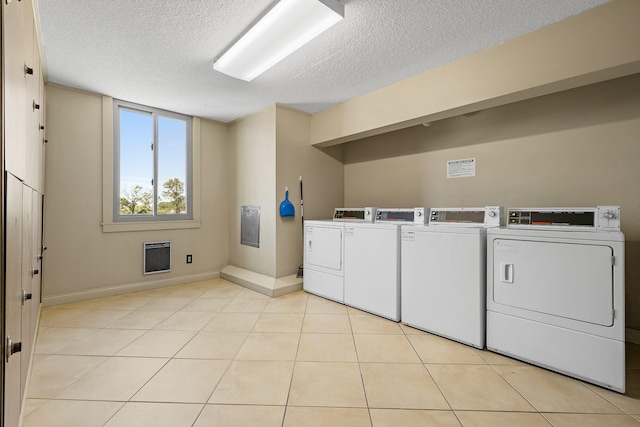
point(216, 354)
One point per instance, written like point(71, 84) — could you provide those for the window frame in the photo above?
point(107, 224)
point(155, 113)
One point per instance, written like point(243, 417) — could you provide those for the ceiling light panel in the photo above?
point(287, 26)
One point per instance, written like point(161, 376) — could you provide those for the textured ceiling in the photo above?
point(160, 52)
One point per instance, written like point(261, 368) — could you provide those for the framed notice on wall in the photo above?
point(462, 168)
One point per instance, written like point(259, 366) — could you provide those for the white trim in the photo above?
point(124, 289)
point(38, 27)
point(155, 114)
point(119, 227)
point(195, 169)
point(107, 159)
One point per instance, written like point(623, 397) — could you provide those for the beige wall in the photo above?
point(573, 148)
point(81, 260)
point(323, 184)
point(594, 46)
point(252, 181)
point(269, 150)
point(238, 165)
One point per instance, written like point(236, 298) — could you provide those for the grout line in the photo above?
point(295, 361)
point(351, 314)
point(424, 365)
point(364, 389)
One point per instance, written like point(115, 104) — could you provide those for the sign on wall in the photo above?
point(462, 168)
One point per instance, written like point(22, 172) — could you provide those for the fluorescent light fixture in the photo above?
point(285, 27)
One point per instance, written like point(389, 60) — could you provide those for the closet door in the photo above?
point(34, 119)
point(36, 255)
point(13, 301)
point(17, 48)
point(26, 283)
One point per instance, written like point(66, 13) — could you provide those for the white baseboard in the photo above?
point(109, 291)
point(632, 336)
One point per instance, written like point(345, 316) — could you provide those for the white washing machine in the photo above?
point(324, 252)
point(372, 261)
point(443, 272)
point(555, 291)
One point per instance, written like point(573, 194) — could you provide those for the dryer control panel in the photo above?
point(354, 214)
point(488, 216)
point(600, 218)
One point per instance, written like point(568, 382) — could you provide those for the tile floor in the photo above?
point(216, 354)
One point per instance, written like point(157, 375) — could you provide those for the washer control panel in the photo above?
point(412, 215)
point(488, 216)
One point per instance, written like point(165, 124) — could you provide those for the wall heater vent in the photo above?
point(157, 257)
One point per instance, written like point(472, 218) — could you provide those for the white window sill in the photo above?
point(119, 227)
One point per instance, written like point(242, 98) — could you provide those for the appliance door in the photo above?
point(443, 284)
point(372, 270)
point(323, 249)
point(557, 280)
point(324, 285)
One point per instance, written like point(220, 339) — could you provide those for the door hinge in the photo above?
point(613, 260)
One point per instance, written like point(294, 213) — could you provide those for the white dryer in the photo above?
point(443, 272)
point(372, 261)
point(324, 252)
point(555, 292)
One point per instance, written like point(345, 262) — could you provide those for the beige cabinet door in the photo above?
point(34, 118)
point(36, 254)
point(26, 283)
point(15, 84)
point(13, 301)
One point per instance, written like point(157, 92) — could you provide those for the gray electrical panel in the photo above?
point(250, 226)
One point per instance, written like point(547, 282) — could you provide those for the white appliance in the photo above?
point(443, 272)
point(372, 261)
point(324, 252)
point(555, 296)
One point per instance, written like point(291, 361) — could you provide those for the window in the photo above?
point(152, 164)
